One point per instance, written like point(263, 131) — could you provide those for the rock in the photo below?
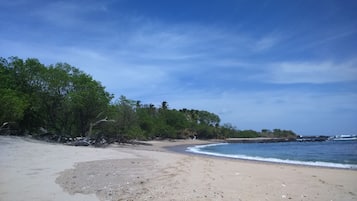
point(81, 142)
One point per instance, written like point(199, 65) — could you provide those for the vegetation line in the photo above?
point(61, 102)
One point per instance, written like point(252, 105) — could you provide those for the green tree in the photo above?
point(126, 118)
point(208, 118)
point(13, 103)
point(87, 100)
point(146, 117)
point(23, 84)
point(68, 102)
point(12, 106)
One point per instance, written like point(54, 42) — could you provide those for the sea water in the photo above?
point(337, 154)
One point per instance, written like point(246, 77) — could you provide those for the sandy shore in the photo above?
point(32, 170)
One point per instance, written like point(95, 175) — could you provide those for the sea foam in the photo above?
point(198, 150)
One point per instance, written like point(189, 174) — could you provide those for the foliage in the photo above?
point(64, 101)
point(278, 133)
point(60, 99)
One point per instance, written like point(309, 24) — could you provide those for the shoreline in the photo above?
point(182, 149)
point(42, 171)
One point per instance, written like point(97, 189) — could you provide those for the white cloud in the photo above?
point(311, 72)
point(191, 65)
point(265, 43)
point(301, 111)
point(331, 37)
point(67, 13)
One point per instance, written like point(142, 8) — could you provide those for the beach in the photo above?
point(34, 170)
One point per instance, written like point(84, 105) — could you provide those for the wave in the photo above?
point(198, 150)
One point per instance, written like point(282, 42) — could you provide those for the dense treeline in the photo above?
point(59, 98)
point(63, 102)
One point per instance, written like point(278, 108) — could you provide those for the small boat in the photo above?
point(344, 137)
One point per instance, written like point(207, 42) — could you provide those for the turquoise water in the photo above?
point(339, 154)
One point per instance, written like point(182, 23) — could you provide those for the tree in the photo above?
point(55, 97)
point(227, 130)
point(146, 116)
point(164, 105)
point(21, 86)
point(126, 118)
point(59, 98)
point(13, 103)
point(87, 100)
point(208, 118)
point(12, 106)
point(64, 101)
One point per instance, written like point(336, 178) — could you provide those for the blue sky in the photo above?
point(258, 64)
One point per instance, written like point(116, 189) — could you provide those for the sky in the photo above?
point(257, 64)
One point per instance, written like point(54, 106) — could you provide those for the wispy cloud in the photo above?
point(67, 13)
point(265, 43)
point(286, 109)
point(311, 72)
point(254, 80)
point(336, 36)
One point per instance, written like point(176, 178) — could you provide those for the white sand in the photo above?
point(39, 171)
point(28, 168)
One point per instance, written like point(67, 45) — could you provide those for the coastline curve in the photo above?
point(198, 150)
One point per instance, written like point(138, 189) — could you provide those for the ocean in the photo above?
point(336, 154)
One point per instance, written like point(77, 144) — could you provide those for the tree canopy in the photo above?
point(66, 102)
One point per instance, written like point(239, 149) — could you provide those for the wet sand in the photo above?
point(32, 170)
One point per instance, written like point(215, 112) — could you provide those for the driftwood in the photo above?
point(91, 125)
